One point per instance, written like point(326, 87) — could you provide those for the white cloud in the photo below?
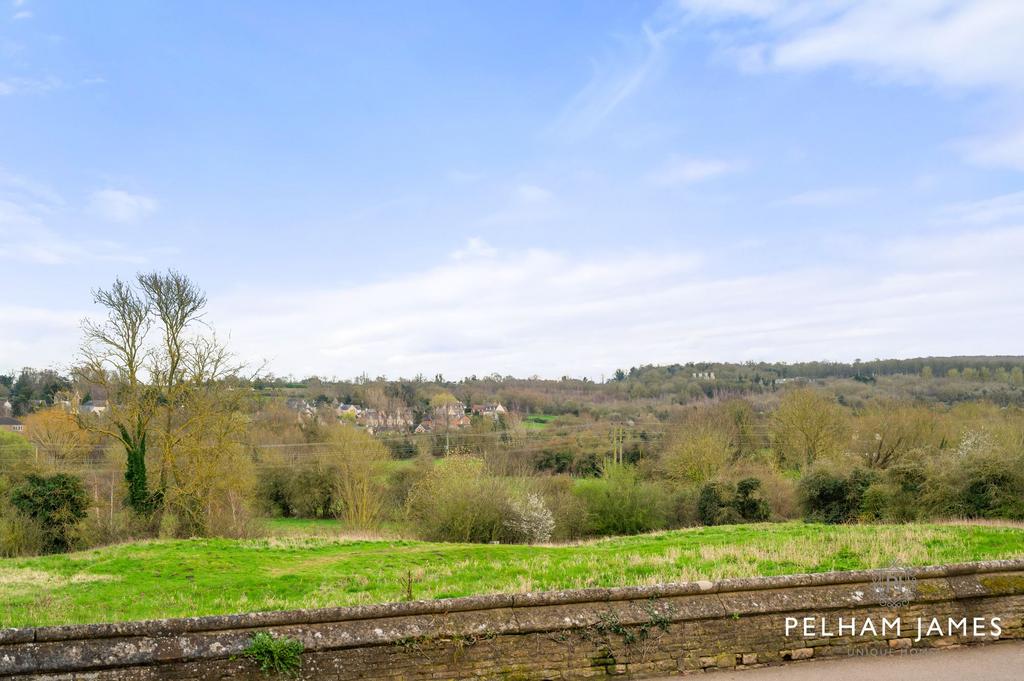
point(616, 78)
point(956, 43)
point(475, 248)
point(831, 196)
point(999, 151)
point(28, 86)
point(22, 15)
point(28, 210)
point(26, 237)
point(531, 193)
point(985, 211)
point(538, 311)
point(682, 171)
point(116, 205)
point(959, 45)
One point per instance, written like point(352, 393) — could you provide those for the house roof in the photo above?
point(8, 421)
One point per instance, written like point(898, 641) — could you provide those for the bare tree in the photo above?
point(160, 389)
point(113, 356)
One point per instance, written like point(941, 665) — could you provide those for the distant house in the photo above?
point(494, 410)
point(11, 425)
point(94, 407)
point(297, 403)
point(6, 409)
point(426, 426)
point(704, 375)
point(377, 420)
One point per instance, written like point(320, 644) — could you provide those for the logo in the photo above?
point(894, 586)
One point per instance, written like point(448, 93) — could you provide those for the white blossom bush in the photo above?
point(530, 520)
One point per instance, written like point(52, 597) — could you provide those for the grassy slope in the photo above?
point(195, 577)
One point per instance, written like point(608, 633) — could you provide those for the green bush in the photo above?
point(748, 502)
point(712, 503)
point(460, 501)
point(986, 485)
point(721, 504)
point(897, 496)
point(829, 497)
point(304, 493)
point(569, 511)
point(19, 534)
point(273, 492)
point(57, 503)
point(620, 503)
point(275, 655)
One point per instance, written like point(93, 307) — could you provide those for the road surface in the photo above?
point(993, 662)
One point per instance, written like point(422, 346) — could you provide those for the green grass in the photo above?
point(212, 576)
point(538, 421)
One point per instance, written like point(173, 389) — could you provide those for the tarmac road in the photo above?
point(1002, 661)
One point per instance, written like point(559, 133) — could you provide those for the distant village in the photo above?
point(451, 416)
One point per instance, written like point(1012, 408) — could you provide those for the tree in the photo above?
point(358, 485)
point(885, 431)
point(113, 356)
point(696, 453)
point(57, 434)
point(807, 426)
point(168, 390)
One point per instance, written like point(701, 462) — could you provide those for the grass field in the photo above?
point(299, 569)
point(537, 421)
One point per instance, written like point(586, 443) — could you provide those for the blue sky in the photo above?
point(522, 187)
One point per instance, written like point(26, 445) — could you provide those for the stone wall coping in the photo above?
point(214, 623)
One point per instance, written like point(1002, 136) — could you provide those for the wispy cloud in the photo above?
point(1006, 207)
point(531, 193)
point(27, 210)
point(936, 41)
point(475, 248)
point(28, 86)
point(829, 196)
point(682, 171)
point(117, 205)
point(955, 45)
point(617, 77)
point(1005, 150)
point(26, 237)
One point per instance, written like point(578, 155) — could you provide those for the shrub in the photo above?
point(460, 501)
point(619, 503)
point(896, 497)
point(986, 485)
point(19, 534)
point(721, 503)
point(275, 655)
point(748, 502)
point(402, 449)
point(568, 510)
point(57, 503)
point(828, 497)
point(712, 503)
point(530, 520)
point(683, 508)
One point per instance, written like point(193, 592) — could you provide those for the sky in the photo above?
point(528, 187)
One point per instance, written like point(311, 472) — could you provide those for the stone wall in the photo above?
point(635, 632)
